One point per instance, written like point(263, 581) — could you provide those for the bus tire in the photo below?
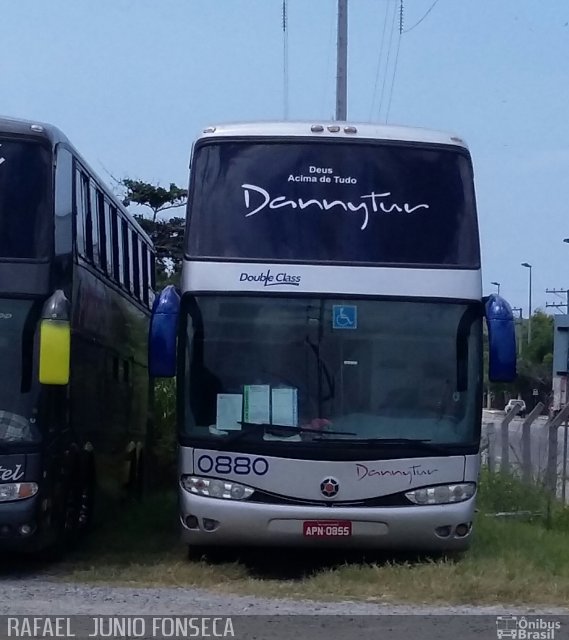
point(65, 516)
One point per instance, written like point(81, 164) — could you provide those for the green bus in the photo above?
point(76, 291)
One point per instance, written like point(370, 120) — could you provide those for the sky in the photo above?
point(132, 82)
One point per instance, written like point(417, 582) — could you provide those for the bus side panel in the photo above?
point(109, 379)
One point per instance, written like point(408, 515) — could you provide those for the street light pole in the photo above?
point(566, 434)
point(528, 266)
point(497, 284)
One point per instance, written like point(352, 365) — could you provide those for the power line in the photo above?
point(559, 305)
point(396, 60)
point(285, 59)
point(379, 60)
point(388, 56)
point(421, 20)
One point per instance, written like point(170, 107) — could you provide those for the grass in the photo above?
point(510, 562)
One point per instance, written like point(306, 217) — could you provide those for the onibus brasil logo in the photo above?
point(522, 628)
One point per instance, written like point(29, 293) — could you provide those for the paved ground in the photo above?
point(261, 618)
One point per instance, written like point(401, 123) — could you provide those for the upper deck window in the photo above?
point(24, 203)
point(318, 201)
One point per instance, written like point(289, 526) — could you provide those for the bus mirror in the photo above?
point(163, 334)
point(501, 340)
point(55, 341)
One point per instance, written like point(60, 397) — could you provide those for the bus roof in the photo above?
point(44, 131)
point(337, 130)
point(40, 130)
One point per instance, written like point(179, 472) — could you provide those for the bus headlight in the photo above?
point(443, 494)
point(216, 488)
point(17, 491)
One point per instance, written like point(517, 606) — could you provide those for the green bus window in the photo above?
point(126, 256)
point(135, 265)
point(145, 270)
point(63, 202)
point(86, 216)
point(102, 231)
point(116, 244)
point(109, 249)
point(94, 223)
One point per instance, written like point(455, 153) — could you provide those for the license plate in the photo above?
point(327, 528)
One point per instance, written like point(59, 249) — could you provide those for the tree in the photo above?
point(168, 239)
point(156, 198)
point(534, 365)
point(167, 235)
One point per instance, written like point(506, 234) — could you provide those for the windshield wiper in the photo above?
point(287, 427)
point(425, 444)
point(253, 427)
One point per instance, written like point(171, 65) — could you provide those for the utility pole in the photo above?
point(342, 62)
point(559, 305)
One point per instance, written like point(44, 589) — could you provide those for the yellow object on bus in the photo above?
point(55, 347)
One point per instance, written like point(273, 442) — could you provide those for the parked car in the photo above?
point(517, 403)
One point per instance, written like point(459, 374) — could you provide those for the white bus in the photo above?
point(327, 339)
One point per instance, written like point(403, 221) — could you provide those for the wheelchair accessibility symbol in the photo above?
point(344, 316)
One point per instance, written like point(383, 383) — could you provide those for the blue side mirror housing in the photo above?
point(162, 341)
point(501, 340)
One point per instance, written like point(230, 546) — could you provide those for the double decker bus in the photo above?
point(328, 338)
point(76, 291)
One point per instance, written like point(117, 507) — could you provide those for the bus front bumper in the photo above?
point(20, 529)
point(216, 522)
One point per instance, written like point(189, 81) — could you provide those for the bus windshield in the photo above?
point(18, 391)
point(24, 202)
point(331, 370)
point(322, 201)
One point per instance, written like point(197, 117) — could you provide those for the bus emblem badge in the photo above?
point(329, 487)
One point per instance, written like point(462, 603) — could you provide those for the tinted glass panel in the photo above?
point(64, 202)
point(18, 391)
point(375, 203)
point(126, 257)
point(79, 206)
point(117, 245)
point(87, 218)
point(152, 267)
point(135, 264)
point(102, 230)
point(109, 240)
point(145, 273)
point(366, 368)
point(94, 220)
point(25, 212)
